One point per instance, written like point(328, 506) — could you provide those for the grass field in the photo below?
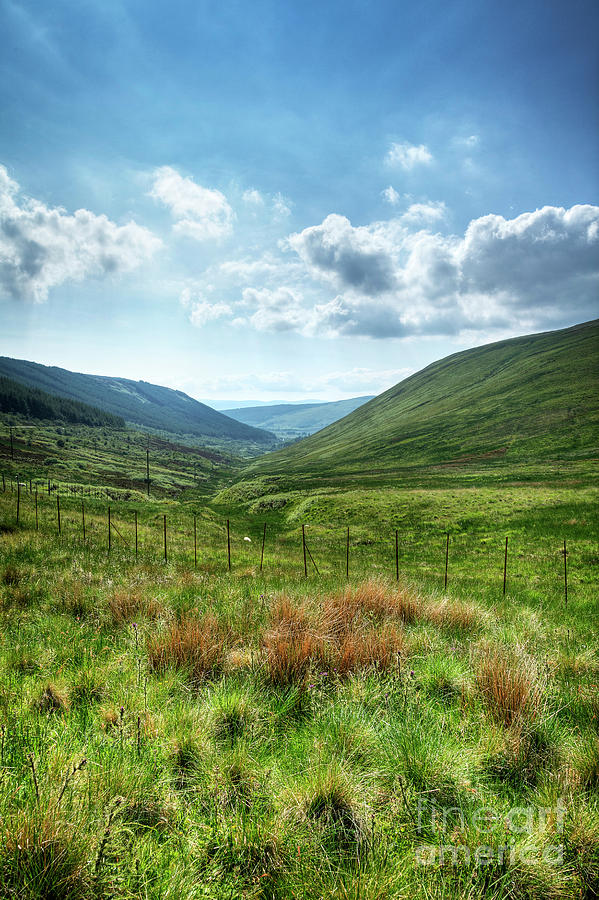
point(172, 731)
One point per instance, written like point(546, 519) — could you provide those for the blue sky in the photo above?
point(289, 200)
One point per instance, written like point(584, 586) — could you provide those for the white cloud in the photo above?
point(355, 258)
point(41, 247)
point(503, 273)
point(278, 310)
point(424, 213)
point(470, 142)
point(408, 156)
point(253, 197)
point(201, 310)
point(390, 195)
point(281, 206)
point(200, 213)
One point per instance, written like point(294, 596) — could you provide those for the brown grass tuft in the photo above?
point(51, 700)
point(337, 637)
point(454, 615)
point(127, 606)
point(509, 684)
point(198, 645)
point(370, 600)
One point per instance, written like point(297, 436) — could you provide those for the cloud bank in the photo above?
point(42, 247)
point(392, 281)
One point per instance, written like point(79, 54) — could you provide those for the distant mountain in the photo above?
point(525, 399)
point(226, 405)
point(32, 403)
point(137, 402)
point(288, 420)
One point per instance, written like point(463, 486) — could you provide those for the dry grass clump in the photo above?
point(510, 685)
point(197, 645)
point(126, 606)
point(337, 637)
point(376, 648)
point(51, 700)
point(372, 599)
point(454, 614)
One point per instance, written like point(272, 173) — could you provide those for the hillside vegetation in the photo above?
point(35, 404)
point(138, 402)
point(533, 397)
point(290, 420)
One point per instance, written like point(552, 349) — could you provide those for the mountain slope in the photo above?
point(36, 404)
point(529, 397)
point(291, 420)
point(143, 404)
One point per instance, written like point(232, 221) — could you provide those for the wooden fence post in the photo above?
point(263, 542)
point(565, 575)
point(304, 548)
point(347, 554)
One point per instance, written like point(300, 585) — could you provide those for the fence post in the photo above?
point(263, 542)
point(565, 575)
point(446, 559)
point(304, 548)
point(505, 568)
point(347, 554)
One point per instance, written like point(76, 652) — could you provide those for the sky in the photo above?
point(300, 200)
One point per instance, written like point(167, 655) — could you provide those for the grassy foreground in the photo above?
point(179, 732)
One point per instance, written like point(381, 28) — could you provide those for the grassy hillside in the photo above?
point(533, 397)
point(138, 402)
point(32, 403)
point(170, 729)
point(289, 420)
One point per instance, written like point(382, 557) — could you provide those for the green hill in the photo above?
point(138, 402)
point(33, 403)
point(290, 420)
point(527, 398)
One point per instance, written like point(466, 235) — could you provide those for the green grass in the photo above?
point(205, 776)
point(532, 397)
